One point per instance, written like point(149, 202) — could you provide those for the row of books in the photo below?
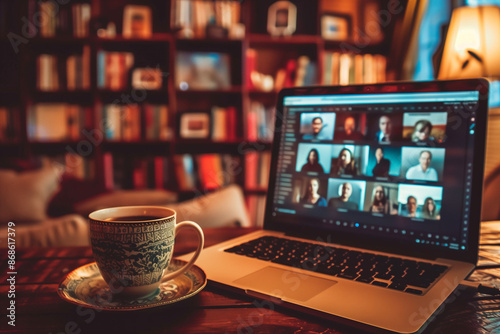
point(193, 18)
point(51, 69)
point(134, 122)
point(257, 168)
point(347, 68)
point(183, 172)
point(223, 124)
point(205, 171)
point(124, 172)
point(296, 72)
point(62, 20)
point(57, 121)
point(113, 69)
point(8, 122)
point(260, 122)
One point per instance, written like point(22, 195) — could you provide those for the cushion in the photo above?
point(222, 208)
point(24, 196)
point(69, 230)
point(125, 198)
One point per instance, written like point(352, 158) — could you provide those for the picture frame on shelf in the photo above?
point(137, 22)
point(202, 71)
point(147, 78)
point(282, 18)
point(194, 125)
point(336, 26)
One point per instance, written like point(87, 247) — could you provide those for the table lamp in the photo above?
point(472, 47)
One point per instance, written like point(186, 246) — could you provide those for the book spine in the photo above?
point(101, 70)
point(107, 160)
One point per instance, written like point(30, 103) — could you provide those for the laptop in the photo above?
point(373, 208)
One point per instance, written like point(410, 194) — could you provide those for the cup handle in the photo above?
point(201, 241)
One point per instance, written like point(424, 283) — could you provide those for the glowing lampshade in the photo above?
point(472, 46)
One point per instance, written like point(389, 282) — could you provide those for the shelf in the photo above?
point(62, 147)
point(155, 38)
point(133, 95)
point(351, 46)
point(208, 41)
point(79, 96)
point(11, 149)
point(143, 147)
point(58, 40)
point(270, 41)
point(232, 90)
point(200, 146)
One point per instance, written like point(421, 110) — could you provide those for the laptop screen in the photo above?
point(396, 164)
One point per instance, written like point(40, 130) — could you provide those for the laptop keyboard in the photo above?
point(385, 271)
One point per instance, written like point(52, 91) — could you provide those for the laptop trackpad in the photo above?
point(284, 284)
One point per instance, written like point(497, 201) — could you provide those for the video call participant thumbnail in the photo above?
point(424, 164)
point(316, 126)
point(313, 158)
point(347, 195)
point(387, 128)
point(419, 201)
point(311, 193)
point(382, 165)
point(383, 161)
point(350, 127)
point(345, 163)
point(349, 159)
point(425, 128)
point(378, 198)
point(312, 163)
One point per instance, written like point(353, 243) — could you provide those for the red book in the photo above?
point(107, 160)
point(140, 175)
point(252, 128)
point(148, 122)
point(251, 58)
point(210, 171)
point(158, 163)
point(291, 66)
point(251, 169)
point(231, 123)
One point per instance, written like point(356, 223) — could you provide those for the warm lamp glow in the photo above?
point(472, 46)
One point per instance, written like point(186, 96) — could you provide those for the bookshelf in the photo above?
point(73, 77)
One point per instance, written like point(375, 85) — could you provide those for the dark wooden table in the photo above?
point(39, 309)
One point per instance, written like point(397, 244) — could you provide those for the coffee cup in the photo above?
point(133, 246)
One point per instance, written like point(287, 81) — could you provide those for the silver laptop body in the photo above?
point(441, 231)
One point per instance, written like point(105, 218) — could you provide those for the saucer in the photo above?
point(85, 287)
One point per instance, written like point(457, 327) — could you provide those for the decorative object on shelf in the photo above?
point(261, 81)
point(472, 48)
point(336, 26)
point(194, 125)
point(102, 27)
point(281, 18)
point(216, 31)
point(237, 31)
point(212, 19)
point(202, 70)
point(137, 22)
point(147, 78)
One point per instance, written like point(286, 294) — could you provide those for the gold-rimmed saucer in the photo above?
point(85, 287)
